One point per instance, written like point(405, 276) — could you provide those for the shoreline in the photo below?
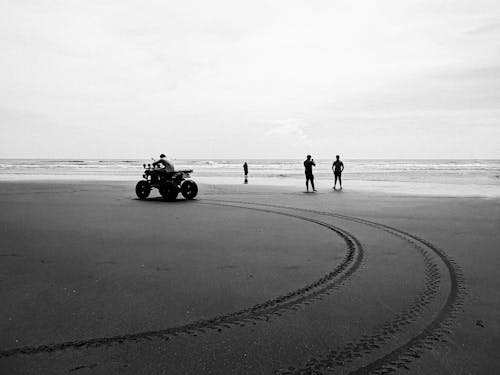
point(424, 189)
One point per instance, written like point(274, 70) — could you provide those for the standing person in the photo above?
point(245, 168)
point(308, 164)
point(337, 168)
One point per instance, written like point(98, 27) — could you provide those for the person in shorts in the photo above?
point(337, 168)
point(308, 164)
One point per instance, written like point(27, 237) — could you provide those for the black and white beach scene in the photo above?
point(235, 187)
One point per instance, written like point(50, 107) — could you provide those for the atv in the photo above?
point(168, 183)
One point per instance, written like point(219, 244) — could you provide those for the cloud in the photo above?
point(293, 130)
point(183, 67)
point(485, 29)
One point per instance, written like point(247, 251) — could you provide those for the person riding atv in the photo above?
point(167, 165)
point(167, 180)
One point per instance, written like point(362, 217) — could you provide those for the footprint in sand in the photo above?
point(226, 267)
point(163, 268)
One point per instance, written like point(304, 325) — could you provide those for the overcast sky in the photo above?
point(253, 79)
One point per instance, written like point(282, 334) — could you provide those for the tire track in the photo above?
point(432, 333)
point(263, 311)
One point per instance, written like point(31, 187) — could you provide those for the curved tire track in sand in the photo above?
point(433, 331)
point(263, 311)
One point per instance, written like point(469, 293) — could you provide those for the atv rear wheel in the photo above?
point(142, 189)
point(189, 189)
point(169, 191)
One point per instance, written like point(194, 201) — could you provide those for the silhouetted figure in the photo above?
point(246, 180)
point(166, 164)
point(337, 168)
point(245, 168)
point(308, 164)
point(165, 167)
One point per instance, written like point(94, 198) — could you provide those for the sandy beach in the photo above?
point(246, 280)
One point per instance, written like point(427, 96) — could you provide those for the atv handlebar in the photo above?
point(150, 168)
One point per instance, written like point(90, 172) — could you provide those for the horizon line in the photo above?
point(241, 158)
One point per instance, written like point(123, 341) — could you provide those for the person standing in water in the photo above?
point(337, 168)
point(308, 164)
point(245, 170)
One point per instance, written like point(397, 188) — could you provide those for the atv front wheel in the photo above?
point(142, 189)
point(189, 189)
point(169, 191)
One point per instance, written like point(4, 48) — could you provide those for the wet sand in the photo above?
point(246, 279)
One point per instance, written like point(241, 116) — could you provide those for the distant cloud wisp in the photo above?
point(293, 130)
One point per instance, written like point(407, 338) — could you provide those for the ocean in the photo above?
point(434, 177)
